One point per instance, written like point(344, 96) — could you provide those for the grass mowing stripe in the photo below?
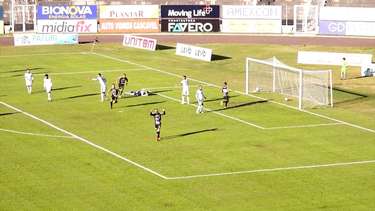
point(274, 169)
point(214, 85)
point(33, 134)
point(41, 54)
point(86, 141)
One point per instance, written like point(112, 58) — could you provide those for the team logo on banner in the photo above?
point(67, 12)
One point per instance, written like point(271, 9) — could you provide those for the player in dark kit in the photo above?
point(114, 95)
point(157, 118)
point(122, 81)
point(225, 91)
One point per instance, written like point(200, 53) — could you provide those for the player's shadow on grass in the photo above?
point(241, 105)
point(220, 98)
point(188, 134)
point(164, 47)
point(216, 57)
point(143, 104)
point(78, 96)
point(59, 89)
point(23, 70)
point(8, 113)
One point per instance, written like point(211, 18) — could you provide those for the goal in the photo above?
point(309, 88)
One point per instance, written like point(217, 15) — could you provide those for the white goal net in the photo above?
point(310, 88)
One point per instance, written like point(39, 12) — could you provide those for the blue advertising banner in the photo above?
point(190, 11)
point(61, 12)
point(332, 27)
point(1, 13)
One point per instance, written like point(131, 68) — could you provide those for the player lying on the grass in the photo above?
point(157, 118)
point(29, 80)
point(114, 94)
point(199, 96)
point(122, 82)
point(185, 90)
point(225, 91)
point(103, 85)
point(47, 85)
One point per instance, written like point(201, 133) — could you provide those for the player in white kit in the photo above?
point(185, 90)
point(47, 85)
point(200, 99)
point(103, 86)
point(29, 81)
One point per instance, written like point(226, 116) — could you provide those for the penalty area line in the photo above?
point(274, 169)
point(303, 126)
point(86, 141)
point(239, 92)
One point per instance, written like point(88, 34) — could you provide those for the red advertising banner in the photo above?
point(129, 25)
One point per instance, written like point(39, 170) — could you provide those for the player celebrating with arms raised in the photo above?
point(29, 80)
point(157, 118)
point(185, 90)
point(47, 85)
point(200, 99)
point(122, 81)
point(103, 85)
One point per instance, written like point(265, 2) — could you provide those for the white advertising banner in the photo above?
point(347, 14)
point(129, 11)
point(251, 26)
point(44, 39)
point(251, 12)
point(194, 52)
point(1, 27)
point(331, 58)
point(67, 26)
point(139, 42)
point(360, 28)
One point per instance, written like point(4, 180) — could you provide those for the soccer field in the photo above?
point(258, 154)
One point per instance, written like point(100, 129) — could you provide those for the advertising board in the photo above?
point(129, 25)
point(251, 26)
point(332, 58)
point(332, 27)
point(139, 42)
point(190, 11)
point(128, 11)
point(59, 12)
point(193, 52)
point(1, 13)
point(190, 25)
point(44, 39)
point(251, 12)
point(347, 14)
point(67, 26)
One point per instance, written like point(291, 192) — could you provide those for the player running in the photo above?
point(185, 90)
point(47, 85)
point(103, 85)
point(200, 99)
point(114, 95)
point(225, 91)
point(29, 80)
point(157, 118)
point(122, 82)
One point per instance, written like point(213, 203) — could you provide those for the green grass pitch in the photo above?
point(255, 155)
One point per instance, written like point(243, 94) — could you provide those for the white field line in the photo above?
point(170, 87)
point(39, 54)
point(33, 134)
point(86, 141)
point(303, 126)
point(274, 169)
point(239, 92)
point(215, 112)
point(95, 71)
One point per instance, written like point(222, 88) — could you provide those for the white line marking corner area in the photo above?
point(239, 92)
point(183, 177)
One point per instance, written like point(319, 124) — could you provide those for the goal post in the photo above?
point(309, 88)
